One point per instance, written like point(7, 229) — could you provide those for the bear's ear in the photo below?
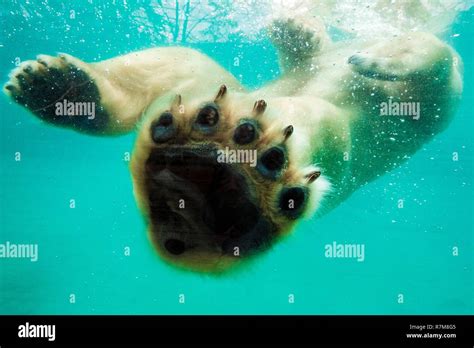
point(221, 93)
point(259, 107)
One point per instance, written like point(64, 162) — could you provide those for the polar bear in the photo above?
point(317, 131)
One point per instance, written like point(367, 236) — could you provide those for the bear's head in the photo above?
point(215, 179)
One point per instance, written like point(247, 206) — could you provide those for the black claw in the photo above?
point(222, 92)
point(9, 87)
point(42, 62)
point(259, 107)
point(288, 131)
point(177, 100)
point(311, 177)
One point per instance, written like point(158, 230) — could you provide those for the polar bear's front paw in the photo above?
point(57, 90)
point(217, 184)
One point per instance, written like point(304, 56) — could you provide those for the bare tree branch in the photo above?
point(185, 22)
point(176, 24)
point(197, 23)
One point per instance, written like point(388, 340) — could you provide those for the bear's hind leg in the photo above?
point(298, 40)
point(406, 91)
point(411, 56)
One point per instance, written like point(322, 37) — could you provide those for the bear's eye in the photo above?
point(245, 133)
point(163, 128)
point(208, 116)
point(272, 162)
point(292, 201)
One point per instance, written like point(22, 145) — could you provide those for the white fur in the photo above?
point(333, 105)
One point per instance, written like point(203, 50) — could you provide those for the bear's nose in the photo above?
point(175, 246)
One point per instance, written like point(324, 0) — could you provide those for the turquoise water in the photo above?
point(408, 251)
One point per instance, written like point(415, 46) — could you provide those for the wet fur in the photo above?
point(328, 93)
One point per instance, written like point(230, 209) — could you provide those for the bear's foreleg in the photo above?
point(109, 97)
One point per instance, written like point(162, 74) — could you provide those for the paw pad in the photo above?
point(163, 129)
point(207, 119)
point(245, 133)
point(43, 84)
point(292, 201)
point(272, 162)
point(233, 209)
